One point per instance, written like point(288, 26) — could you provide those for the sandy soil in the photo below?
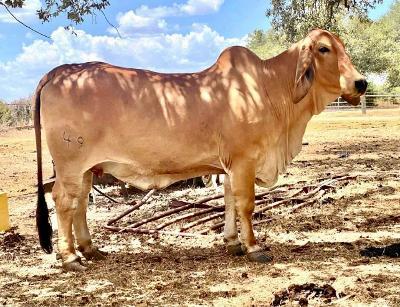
point(316, 250)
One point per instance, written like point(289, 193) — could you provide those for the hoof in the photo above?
point(74, 266)
point(259, 256)
point(235, 250)
point(95, 254)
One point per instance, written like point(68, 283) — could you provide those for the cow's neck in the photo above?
point(279, 76)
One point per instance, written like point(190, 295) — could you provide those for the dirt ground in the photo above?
point(320, 251)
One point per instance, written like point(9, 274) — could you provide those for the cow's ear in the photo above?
point(304, 72)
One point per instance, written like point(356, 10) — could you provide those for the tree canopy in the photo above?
point(266, 44)
point(295, 18)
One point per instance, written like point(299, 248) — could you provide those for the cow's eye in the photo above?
point(323, 49)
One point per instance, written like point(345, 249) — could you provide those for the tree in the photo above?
point(5, 114)
point(295, 18)
point(376, 49)
point(366, 47)
point(389, 27)
point(75, 10)
point(266, 44)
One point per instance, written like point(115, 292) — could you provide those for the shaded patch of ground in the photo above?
point(302, 294)
point(392, 250)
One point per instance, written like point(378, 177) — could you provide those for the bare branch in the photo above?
point(22, 23)
point(116, 29)
point(105, 195)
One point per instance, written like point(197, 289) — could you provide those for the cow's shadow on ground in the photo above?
point(199, 259)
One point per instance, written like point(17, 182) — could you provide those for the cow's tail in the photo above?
point(43, 223)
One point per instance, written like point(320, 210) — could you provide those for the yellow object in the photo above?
point(4, 219)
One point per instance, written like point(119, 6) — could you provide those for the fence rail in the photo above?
point(368, 101)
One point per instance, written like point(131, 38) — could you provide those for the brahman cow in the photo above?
point(243, 117)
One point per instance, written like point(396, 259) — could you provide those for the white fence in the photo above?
point(368, 101)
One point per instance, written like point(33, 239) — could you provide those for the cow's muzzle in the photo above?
point(361, 86)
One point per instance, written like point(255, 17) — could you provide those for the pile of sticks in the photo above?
point(189, 216)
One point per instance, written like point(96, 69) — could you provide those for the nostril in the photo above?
point(361, 85)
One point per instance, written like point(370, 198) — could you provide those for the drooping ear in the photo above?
point(305, 70)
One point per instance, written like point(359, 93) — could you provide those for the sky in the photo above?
point(166, 36)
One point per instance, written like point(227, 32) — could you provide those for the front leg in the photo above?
point(242, 179)
point(233, 244)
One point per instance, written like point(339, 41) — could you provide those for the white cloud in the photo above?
point(201, 7)
point(131, 22)
point(176, 52)
point(191, 7)
point(26, 13)
point(146, 20)
point(158, 11)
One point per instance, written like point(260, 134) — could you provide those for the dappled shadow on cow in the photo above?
point(243, 116)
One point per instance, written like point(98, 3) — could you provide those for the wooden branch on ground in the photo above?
point(105, 195)
point(135, 206)
point(199, 204)
point(208, 198)
point(305, 200)
point(276, 189)
point(178, 203)
point(159, 215)
point(188, 216)
point(337, 176)
point(203, 220)
point(216, 226)
point(151, 231)
point(176, 210)
point(293, 198)
point(293, 209)
point(312, 193)
point(184, 206)
point(260, 210)
point(263, 201)
point(299, 199)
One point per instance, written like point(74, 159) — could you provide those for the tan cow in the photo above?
point(243, 116)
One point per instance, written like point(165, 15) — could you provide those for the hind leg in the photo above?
point(81, 229)
point(65, 195)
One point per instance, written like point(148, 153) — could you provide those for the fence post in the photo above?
point(363, 105)
point(4, 216)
